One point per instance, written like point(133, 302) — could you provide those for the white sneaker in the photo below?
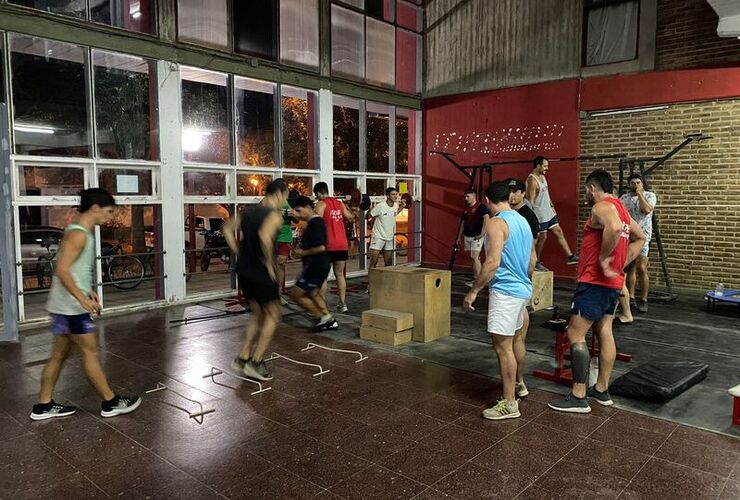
point(521, 389)
point(341, 307)
point(503, 410)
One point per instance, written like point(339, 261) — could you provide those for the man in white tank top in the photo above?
point(538, 195)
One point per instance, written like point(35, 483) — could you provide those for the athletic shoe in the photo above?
point(263, 371)
point(51, 409)
point(238, 364)
point(540, 267)
point(570, 404)
point(633, 304)
point(341, 307)
point(642, 306)
point(119, 405)
point(602, 398)
point(329, 324)
point(283, 302)
point(503, 410)
point(572, 260)
point(256, 370)
point(521, 389)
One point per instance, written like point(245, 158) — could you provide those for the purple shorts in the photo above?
point(63, 324)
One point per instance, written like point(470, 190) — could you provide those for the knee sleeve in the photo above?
point(580, 361)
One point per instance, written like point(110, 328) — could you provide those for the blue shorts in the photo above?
point(312, 279)
point(593, 302)
point(546, 226)
point(76, 324)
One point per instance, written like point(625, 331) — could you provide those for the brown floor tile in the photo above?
point(324, 466)
point(423, 463)
point(661, 479)
point(367, 410)
point(635, 420)
point(731, 491)
point(704, 457)
point(582, 425)
point(535, 493)
point(458, 441)
point(372, 443)
point(567, 479)
point(330, 428)
point(281, 446)
point(472, 481)
point(432, 494)
point(181, 487)
point(444, 408)
point(496, 430)
point(719, 441)
point(478, 394)
point(401, 395)
point(531, 408)
point(18, 477)
point(634, 438)
point(22, 450)
point(98, 443)
point(545, 440)
point(227, 469)
point(515, 461)
point(410, 425)
point(74, 487)
point(331, 396)
point(326, 495)
point(735, 474)
point(10, 428)
point(607, 458)
point(378, 483)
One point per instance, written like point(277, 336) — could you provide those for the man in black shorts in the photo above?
point(316, 265)
point(256, 269)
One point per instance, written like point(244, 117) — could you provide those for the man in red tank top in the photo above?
point(611, 240)
point(334, 213)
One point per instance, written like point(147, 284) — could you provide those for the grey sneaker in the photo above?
point(503, 410)
point(602, 398)
point(641, 305)
point(119, 405)
point(572, 260)
point(238, 365)
point(540, 267)
point(256, 370)
point(521, 389)
point(570, 404)
point(52, 409)
point(341, 307)
point(283, 302)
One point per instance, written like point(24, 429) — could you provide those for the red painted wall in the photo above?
point(510, 124)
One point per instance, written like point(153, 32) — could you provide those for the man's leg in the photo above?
point(319, 302)
point(631, 279)
point(256, 314)
point(269, 320)
point(558, 232)
point(339, 267)
point(477, 266)
point(387, 258)
point(642, 270)
point(88, 345)
point(282, 262)
point(625, 311)
point(374, 255)
point(50, 375)
point(540, 244)
point(607, 351)
point(303, 299)
point(520, 350)
point(503, 345)
point(580, 358)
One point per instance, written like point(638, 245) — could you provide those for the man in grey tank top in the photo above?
point(538, 195)
point(71, 302)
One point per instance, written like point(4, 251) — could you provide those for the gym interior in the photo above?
point(187, 110)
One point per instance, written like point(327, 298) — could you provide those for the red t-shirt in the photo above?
point(336, 235)
point(589, 269)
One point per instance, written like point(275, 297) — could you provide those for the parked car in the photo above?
point(33, 241)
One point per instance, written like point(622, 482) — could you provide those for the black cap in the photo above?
point(517, 185)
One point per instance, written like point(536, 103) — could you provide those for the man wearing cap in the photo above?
point(517, 200)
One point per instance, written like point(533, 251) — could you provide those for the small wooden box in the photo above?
point(385, 319)
point(541, 290)
point(385, 336)
point(425, 293)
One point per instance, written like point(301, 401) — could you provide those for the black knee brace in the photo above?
point(580, 361)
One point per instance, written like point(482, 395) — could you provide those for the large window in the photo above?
point(299, 32)
point(206, 132)
point(133, 15)
point(346, 134)
point(255, 28)
point(255, 109)
point(300, 124)
point(408, 61)
point(125, 107)
point(611, 31)
point(347, 42)
point(381, 52)
point(205, 22)
point(45, 122)
point(75, 8)
point(378, 130)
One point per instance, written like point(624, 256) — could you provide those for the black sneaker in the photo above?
point(256, 370)
point(642, 306)
point(602, 398)
point(119, 405)
point(572, 260)
point(329, 324)
point(51, 409)
point(570, 404)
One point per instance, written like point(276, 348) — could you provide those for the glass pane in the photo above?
point(204, 183)
point(300, 128)
point(347, 43)
point(49, 123)
point(299, 32)
point(376, 187)
point(207, 254)
point(126, 182)
point(408, 62)
point(255, 109)
point(125, 107)
point(409, 16)
point(345, 188)
point(74, 8)
point(204, 22)
point(381, 9)
point(408, 228)
point(612, 33)
point(255, 28)
point(346, 134)
point(2, 68)
point(302, 185)
point(403, 139)
point(251, 184)
point(378, 137)
point(134, 15)
point(360, 4)
point(50, 181)
point(206, 133)
point(381, 52)
point(131, 259)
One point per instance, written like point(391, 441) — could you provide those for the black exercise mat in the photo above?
point(659, 380)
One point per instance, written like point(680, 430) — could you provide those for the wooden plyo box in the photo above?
point(386, 337)
point(384, 319)
point(541, 290)
point(425, 293)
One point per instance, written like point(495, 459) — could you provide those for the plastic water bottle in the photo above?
point(719, 290)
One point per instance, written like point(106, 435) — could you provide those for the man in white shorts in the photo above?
point(640, 205)
point(384, 227)
point(472, 233)
point(509, 263)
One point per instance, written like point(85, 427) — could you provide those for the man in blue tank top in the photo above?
point(509, 263)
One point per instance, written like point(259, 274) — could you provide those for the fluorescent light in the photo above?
point(627, 111)
point(34, 130)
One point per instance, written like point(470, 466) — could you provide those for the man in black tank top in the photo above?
point(257, 274)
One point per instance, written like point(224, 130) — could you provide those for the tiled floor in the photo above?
point(392, 426)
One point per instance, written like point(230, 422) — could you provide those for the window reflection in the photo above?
point(251, 184)
point(299, 32)
point(50, 181)
point(204, 183)
point(206, 135)
point(255, 107)
point(133, 15)
point(75, 8)
point(377, 137)
point(203, 22)
point(347, 42)
point(300, 124)
point(346, 134)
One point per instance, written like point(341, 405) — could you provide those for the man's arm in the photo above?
point(229, 229)
point(532, 188)
point(347, 213)
point(486, 218)
point(320, 207)
point(605, 215)
point(645, 205)
point(637, 241)
point(267, 231)
point(373, 212)
point(70, 248)
point(532, 260)
point(495, 235)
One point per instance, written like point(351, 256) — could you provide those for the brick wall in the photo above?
point(686, 37)
point(698, 190)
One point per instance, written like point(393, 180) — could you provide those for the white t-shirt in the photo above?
point(384, 223)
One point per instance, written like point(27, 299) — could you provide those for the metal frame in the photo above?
point(195, 416)
point(276, 355)
point(215, 371)
point(312, 345)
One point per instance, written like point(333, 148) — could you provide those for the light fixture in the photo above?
point(192, 139)
point(136, 15)
point(254, 182)
point(614, 112)
point(34, 130)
